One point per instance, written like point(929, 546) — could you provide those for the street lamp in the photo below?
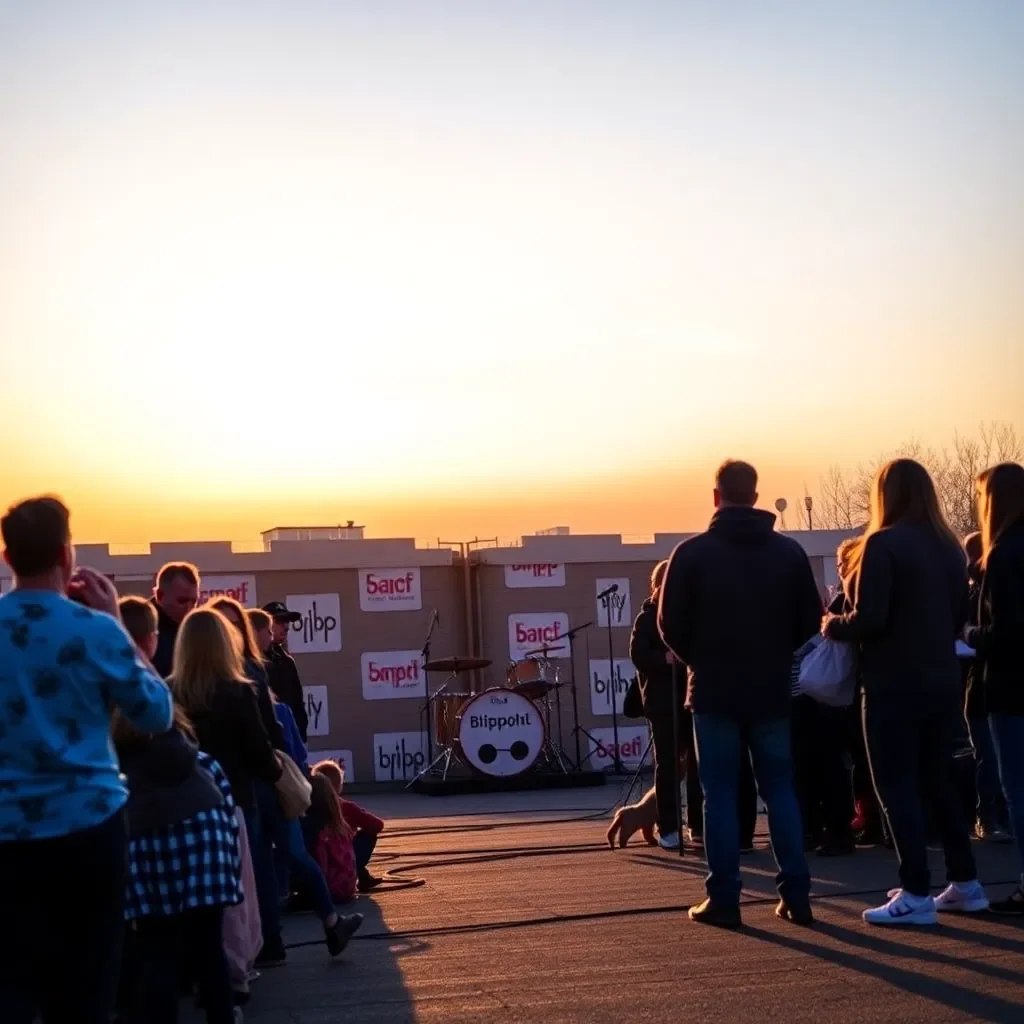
point(809, 505)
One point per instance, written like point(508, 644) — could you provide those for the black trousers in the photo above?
point(911, 746)
point(666, 769)
point(61, 956)
point(824, 783)
point(190, 941)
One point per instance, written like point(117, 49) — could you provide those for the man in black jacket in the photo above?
point(176, 593)
point(282, 673)
point(737, 601)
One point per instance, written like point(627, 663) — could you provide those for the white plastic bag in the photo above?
point(829, 674)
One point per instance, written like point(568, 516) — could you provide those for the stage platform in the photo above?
point(525, 915)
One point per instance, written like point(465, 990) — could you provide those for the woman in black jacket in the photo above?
point(908, 605)
point(999, 640)
point(653, 662)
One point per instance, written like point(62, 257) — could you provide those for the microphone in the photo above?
point(613, 589)
point(437, 617)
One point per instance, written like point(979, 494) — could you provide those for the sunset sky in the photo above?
point(484, 267)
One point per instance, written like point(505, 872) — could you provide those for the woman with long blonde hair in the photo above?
point(999, 640)
point(907, 606)
point(208, 679)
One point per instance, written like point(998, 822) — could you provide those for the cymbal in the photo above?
point(456, 664)
point(543, 651)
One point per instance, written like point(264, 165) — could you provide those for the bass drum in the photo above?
point(500, 733)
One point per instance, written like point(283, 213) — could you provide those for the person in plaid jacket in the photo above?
point(184, 869)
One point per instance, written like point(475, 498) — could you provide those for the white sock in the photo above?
point(915, 901)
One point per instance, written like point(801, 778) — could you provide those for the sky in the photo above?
point(487, 267)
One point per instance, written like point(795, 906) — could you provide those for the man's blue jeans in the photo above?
point(720, 745)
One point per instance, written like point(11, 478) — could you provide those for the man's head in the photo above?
point(735, 484)
point(177, 589)
point(139, 618)
point(37, 542)
point(283, 618)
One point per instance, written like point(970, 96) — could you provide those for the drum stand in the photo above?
point(444, 753)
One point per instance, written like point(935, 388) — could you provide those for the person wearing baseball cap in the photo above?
point(282, 673)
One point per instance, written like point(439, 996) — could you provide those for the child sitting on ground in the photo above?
point(364, 826)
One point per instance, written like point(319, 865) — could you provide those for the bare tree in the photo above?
point(844, 503)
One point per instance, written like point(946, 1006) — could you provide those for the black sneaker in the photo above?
point(368, 882)
point(1012, 905)
point(344, 928)
point(715, 914)
point(797, 913)
point(272, 955)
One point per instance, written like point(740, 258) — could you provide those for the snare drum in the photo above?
point(500, 732)
point(528, 671)
point(446, 717)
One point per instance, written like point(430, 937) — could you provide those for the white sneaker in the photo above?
point(903, 908)
point(669, 841)
point(962, 897)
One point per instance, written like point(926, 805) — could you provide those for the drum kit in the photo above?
point(501, 731)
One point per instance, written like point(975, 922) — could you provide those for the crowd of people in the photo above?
point(158, 812)
point(157, 809)
point(931, 749)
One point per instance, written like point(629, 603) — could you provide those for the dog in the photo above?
point(639, 817)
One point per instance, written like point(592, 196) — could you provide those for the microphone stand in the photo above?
point(425, 653)
point(616, 767)
point(576, 729)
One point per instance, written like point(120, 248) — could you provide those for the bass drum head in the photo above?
point(500, 733)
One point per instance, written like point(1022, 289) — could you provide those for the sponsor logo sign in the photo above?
point(390, 674)
point(340, 757)
point(317, 709)
point(390, 590)
point(529, 630)
point(398, 755)
point(319, 630)
point(632, 746)
point(241, 588)
point(601, 693)
point(617, 605)
point(534, 574)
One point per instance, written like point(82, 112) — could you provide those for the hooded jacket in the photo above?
point(166, 782)
point(737, 601)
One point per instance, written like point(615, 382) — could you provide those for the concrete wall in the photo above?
point(368, 606)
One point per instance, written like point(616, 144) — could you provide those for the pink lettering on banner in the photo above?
point(530, 630)
point(632, 745)
point(387, 675)
point(390, 590)
point(241, 588)
point(522, 575)
point(537, 634)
